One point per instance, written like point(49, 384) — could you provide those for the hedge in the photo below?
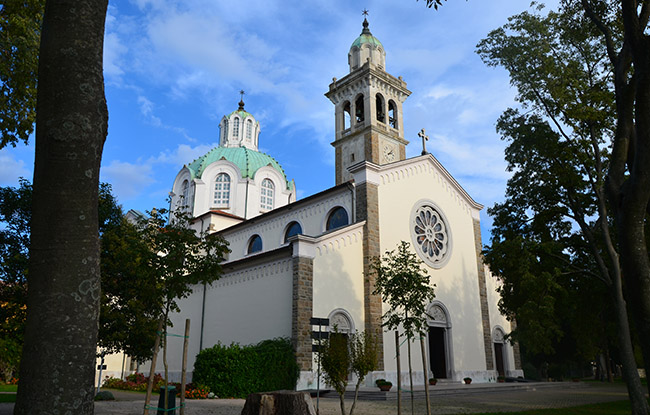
point(237, 371)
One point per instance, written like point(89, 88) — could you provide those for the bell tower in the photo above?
point(368, 108)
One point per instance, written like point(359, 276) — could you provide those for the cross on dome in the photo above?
point(241, 101)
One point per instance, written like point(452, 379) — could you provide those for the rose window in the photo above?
point(430, 234)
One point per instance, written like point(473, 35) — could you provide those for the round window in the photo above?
point(430, 233)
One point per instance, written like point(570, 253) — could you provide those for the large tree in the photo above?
point(57, 368)
point(557, 64)
point(15, 214)
point(20, 29)
point(623, 26)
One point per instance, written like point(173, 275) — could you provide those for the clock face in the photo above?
point(389, 153)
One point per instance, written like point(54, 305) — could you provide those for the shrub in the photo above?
point(237, 371)
point(104, 396)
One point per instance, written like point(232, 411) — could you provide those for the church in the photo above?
point(294, 259)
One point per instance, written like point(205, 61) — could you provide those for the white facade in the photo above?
point(311, 257)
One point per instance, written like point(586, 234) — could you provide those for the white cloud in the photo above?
point(11, 169)
point(113, 52)
point(129, 180)
point(183, 154)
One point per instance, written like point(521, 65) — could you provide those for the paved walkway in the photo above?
point(445, 399)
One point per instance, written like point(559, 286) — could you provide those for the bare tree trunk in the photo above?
point(356, 394)
point(58, 363)
point(342, 402)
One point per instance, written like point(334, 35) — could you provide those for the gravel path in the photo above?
point(450, 399)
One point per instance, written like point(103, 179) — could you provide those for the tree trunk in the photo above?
point(152, 371)
point(164, 338)
point(408, 342)
point(638, 400)
point(278, 403)
point(342, 402)
point(58, 363)
point(628, 178)
point(356, 395)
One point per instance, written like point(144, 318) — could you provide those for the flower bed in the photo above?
point(134, 382)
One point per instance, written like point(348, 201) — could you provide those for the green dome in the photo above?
point(243, 114)
point(248, 161)
point(366, 38)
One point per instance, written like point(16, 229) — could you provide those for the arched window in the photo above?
point(293, 229)
point(235, 128)
point(222, 190)
point(337, 218)
point(255, 244)
point(185, 200)
point(225, 131)
point(379, 101)
point(266, 199)
point(346, 116)
point(249, 129)
point(358, 110)
point(392, 114)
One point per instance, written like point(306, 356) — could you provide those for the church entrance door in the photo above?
point(498, 354)
point(438, 352)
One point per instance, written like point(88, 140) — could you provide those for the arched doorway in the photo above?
point(439, 341)
point(498, 341)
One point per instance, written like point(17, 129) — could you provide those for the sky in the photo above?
point(173, 69)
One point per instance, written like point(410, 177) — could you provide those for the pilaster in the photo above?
point(367, 208)
point(485, 313)
point(302, 310)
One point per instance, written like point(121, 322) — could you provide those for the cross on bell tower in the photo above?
point(368, 108)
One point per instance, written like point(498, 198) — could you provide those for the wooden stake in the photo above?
point(156, 345)
point(425, 373)
point(184, 369)
point(399, 375)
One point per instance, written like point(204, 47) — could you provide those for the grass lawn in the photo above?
point(608, 408)
point(8, 388)
point(7, 397)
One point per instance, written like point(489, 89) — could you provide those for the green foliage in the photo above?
point(15, 217)
point(342, 355)
point(104, 396)
point(404, 285)
point(131, 302)
point(237, 371)
point(547, 242)
point(336, 361)
point(146, 267)
point(364, 354)
point(20, 35)
point(178, 255)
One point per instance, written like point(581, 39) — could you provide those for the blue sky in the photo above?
point(174, 68)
